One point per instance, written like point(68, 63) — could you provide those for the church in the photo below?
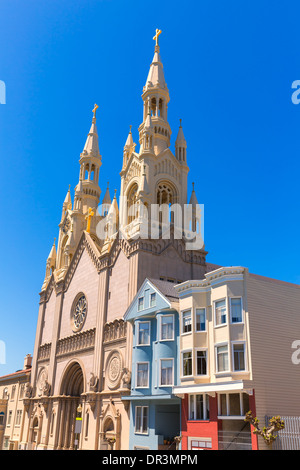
point(140, 342)
point(81, 368)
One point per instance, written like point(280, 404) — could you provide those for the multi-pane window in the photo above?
point(187, 363)
point(140, 303)
point(233, 404)
point(236, 310)
point(239, 356)
point(166, 372)
point(201, 362)
point(1, 418)
point(9, 417)
point(222, 358)
point(198, 407)
point(187, 321)
point(220, 312)
point(141, 419)
point(167, 327)
point(142, 374)
point(153, 299)
point(143, 333)
point(200, 319)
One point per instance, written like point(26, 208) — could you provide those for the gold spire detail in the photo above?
point(88, 219)
point(155, 38)
point(95, 109)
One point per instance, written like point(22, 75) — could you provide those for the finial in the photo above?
point(54, 240)
point(180, 122)
point(158, 32)
point(130, 129)
point(193, 186)
point(69, 187)
point(115, 196)
point(95, 109)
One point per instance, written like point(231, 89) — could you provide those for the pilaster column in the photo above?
point(61, 423)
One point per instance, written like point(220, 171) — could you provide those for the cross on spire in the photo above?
point(158, 32)
point(95, 109)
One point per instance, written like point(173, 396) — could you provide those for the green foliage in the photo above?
point(267, 432)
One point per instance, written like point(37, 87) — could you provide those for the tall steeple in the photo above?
point(90, 163)
point(180, 146)
point(156, 98)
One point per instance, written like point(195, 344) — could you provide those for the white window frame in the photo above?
point(245, 356)
point(220, 325)
point(200, 331)
point(160, 361)
point(136, 375)
point(142, 418)
point(228, 415)
point(217, 345)
point(138, 332)
point(196, 372)
point(242, 311)
point(173, 327)
point(182, 353)
point(205, 398)
point(182, 324)
point(151, 294)
point(138, 305)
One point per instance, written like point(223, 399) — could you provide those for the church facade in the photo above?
point(81, 368)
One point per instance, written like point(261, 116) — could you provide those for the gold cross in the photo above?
point(95, 109)
point(158, 32)
point(88, 219)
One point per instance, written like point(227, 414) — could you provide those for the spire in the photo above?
point(52, 254)
point(91, 145)
point(156, 76)
point(68, 200)
point(106, 203)
point(180, 145)
point(156, 98)
point(193, 200)
point(107, 199)
point(90, 163)
point(129, 142)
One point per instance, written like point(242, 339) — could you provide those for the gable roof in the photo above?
point(164, 288)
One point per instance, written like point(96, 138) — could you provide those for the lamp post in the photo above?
point(78, 425)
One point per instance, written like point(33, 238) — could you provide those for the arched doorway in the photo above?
point(72, 386)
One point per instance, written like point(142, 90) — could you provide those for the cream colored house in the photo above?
point(236, 335)
point(12, 414)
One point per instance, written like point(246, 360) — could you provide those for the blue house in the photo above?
point(154, 410)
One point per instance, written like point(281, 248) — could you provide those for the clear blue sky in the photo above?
point(229, 67)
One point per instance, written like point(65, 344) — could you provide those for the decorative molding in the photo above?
point(78, 342)
point(44, 352)
point(115, 331)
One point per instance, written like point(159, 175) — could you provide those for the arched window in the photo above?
point(132, 203)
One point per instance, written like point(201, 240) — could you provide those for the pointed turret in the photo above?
point(156, 97)
point(67, 204)
point(90, 163)
point(156, 77)
point(129, 147)
point(193, 199)
point(180, 146)
point(106, 203)
point(92, 145)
